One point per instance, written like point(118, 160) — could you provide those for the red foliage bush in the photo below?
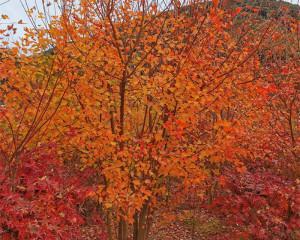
point(41, 202)
point(260, 204)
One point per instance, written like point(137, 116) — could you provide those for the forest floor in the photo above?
point(188, 225)
point(179, 225)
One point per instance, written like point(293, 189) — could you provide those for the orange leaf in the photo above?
point(4, 16)
point(215, 3)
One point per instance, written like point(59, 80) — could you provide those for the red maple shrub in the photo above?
point(260, 204)
point(41, 201)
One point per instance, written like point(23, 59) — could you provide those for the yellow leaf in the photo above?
point(107, 205)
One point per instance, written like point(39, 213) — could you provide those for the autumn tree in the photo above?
point(263, 201)
point(37, 197)
point(142, 76)
point(149, 94)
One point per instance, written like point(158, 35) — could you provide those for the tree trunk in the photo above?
point(123, 230)
point(108, 222)
point(140, 226)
